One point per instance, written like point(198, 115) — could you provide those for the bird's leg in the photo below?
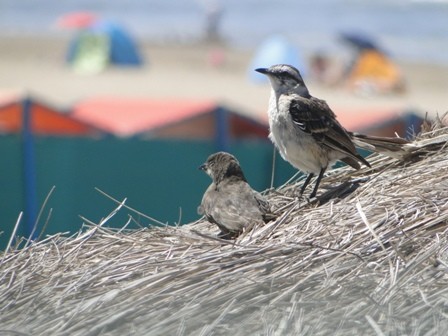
point(307, 181)
point(321, 174)
point(224, 234)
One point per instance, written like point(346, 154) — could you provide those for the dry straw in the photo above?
point(371, 261)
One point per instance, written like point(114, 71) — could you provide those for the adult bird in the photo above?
point(306, 132)
point(229, 201)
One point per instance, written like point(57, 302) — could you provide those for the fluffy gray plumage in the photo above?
point(306, 132)
point(229, 201)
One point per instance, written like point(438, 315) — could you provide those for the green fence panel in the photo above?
point(11, 186)
point(159, 178)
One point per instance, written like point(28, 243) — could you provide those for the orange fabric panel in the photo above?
point(44, 121)
point(47, 121)
point(11, 118)
point(374, 65)
point(125, 117)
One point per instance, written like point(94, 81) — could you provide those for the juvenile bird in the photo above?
point(306, 132)
point(229, 201)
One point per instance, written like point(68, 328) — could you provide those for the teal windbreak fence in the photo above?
point(160, 178)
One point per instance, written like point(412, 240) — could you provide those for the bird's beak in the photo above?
point(264, 71)
point(203, 167)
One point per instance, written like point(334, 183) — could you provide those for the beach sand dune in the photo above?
point(36, 66)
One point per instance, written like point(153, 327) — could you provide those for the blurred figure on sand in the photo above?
point(213, 18)
point(216, 57)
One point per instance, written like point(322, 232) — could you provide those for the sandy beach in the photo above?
point(37, 66)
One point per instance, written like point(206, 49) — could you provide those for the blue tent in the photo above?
point(275, 50)
point(103, 43)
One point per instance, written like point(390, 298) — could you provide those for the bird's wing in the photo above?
point(314, 116)
point(232, 207)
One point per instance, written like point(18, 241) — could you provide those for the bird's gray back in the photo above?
point(232, 206)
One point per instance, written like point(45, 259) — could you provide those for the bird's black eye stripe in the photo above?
point(287, 75)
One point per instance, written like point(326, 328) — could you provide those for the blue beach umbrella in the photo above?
point(275, 50)
point(359, 40)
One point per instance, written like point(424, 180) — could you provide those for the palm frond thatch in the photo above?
point(372, 262)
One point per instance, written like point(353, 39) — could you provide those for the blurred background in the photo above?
point(132, 96)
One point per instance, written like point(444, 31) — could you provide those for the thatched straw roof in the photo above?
point(372, 263)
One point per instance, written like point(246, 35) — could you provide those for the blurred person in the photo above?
point(213, 17)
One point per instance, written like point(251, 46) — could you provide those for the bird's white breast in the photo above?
point(294, 145)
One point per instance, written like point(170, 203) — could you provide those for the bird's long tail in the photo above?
point(391, 146)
